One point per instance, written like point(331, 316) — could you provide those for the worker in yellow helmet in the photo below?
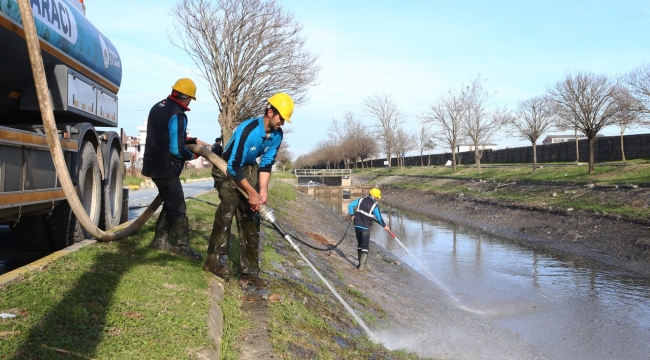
point(164, 157)
point(363, 212)
point(254, 138)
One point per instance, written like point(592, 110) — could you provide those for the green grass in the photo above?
point(283, 175)
point(123, 300)
point(617, 203)
point(134, 177)
point(631, 172)
point(118, 300)
point(281, 193)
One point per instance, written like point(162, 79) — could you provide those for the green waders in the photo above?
point(160, 241)
point(234, 204)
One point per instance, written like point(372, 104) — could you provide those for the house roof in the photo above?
point(571, 136)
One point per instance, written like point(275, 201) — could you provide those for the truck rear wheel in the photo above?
point(89, 185)
point(64, 226)
point(112, 192)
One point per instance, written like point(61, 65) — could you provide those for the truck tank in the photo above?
point(68, 40)
point(83, 72)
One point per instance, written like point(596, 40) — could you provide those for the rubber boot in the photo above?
point(255, 280)
point(362, 261)
point(162, 233)
point(217, 265)
point(180, 230)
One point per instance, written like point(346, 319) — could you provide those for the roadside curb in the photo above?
point(215, 320)
point(42, 262)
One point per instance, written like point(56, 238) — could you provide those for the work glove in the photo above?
point(190, 141)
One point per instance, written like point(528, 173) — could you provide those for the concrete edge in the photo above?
point(43, 262)
point(215, 320)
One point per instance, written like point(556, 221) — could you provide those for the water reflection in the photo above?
point(10, 256)
point(566, 308)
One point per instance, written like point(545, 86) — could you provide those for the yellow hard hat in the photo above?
point(284, 104)
point(375, 192)
point(185, 86)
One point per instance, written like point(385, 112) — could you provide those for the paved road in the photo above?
point(140, 199)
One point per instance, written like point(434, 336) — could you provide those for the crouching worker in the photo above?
point(254, 138)
point(164, 158)
point(363, 212)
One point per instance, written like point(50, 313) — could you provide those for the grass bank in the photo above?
point(123, 300)
point(614, 192)
point(630, 172)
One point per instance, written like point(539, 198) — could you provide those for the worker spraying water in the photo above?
point(364, 212)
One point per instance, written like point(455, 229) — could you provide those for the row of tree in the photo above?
point(583, 102)
point(247, 50)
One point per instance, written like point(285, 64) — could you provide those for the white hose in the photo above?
point(371, 335)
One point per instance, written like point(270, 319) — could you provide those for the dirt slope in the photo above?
point(584, 236)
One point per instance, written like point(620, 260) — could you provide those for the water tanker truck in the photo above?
point(83, 71)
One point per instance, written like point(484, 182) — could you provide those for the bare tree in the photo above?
point(588, 102)
point(478, 121)
point(284, 156)
point(327, 153)
point(345, 134)
point(423, 143)
point(629, 116)
point(367, 148)
point(385, 111)
point(246, 50)
point(404, 142)
point(446, 116)
point(533, 118)
point(638, 82)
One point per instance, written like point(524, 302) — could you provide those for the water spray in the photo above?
point(440, 285)
point(266, 213)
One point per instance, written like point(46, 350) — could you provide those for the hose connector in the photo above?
point(266, 213)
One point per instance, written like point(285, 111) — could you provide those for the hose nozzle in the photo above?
point(266, 213)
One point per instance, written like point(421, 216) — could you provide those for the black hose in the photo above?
point(277, 227)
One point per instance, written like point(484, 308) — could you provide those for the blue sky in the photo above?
point(413, 50)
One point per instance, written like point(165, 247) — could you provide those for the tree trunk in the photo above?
point(390, 162)
point(453, 158)
point(622, 147)
point(577, 148)
point(534, 156)
point(477, 158)
point(591, 154)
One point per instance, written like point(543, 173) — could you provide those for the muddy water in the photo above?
point(564, 309)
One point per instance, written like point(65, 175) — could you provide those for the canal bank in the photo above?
point(582, 235)
point(296, 317)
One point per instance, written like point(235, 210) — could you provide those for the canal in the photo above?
point(565, 308)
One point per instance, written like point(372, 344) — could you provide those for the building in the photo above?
point(470, 147)
point(132, 146)
point(200, 162)
point(554, 139)
point(136, 145)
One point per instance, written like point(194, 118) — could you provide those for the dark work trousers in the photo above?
point(363, 239)
point(171, 191)
point(234, 204)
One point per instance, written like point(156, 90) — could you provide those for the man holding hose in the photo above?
point(164, 158)
point(363, 212)
point(254, 138)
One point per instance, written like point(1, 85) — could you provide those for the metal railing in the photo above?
point(323, 172)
